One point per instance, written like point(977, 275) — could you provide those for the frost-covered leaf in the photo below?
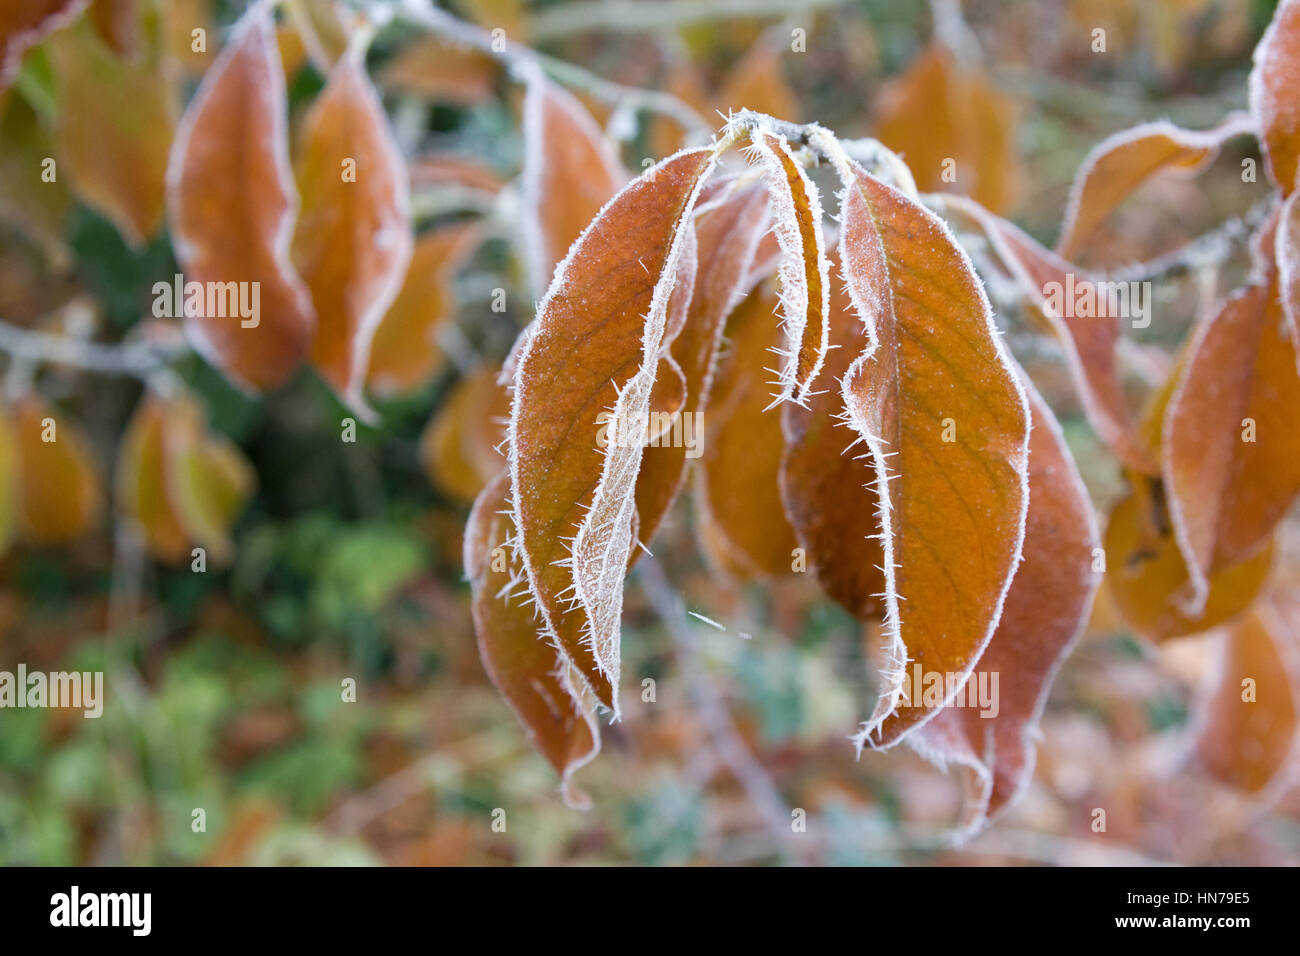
point(1114, 169)
point(1231, 451)
point(353, 240)
point(1148, 578)
point(826, 479)
point(231, 204)
point(804, 270)
point(1273, 103)
point(537, 680)
point(994, 731)
point(1287, 255)
point(405, 353)
point(570, 171)
point(113, 131)
point(945, 419)
point(588, 364)
point(727, 233)
point(743, 529)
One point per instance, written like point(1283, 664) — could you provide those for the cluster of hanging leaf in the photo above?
point(882, 429)
point(857, 403)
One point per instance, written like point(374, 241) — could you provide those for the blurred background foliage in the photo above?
point(224, 688)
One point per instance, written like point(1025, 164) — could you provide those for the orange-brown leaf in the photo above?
point(937, 112)
point(181, 486)
point(232, 204)
point(1118, 165)
point(24, 23)
point(826, 483)
point(60, 497)
point(1053, 286)
point(945, 419)
point(1148, 578)
point(405, 353)
point(595, 346)
point(536, 679)
point(353, 240)
point(1248, 738)
point(141, 482)
point(1273, 83)
point(1231, 452)
point(804, 269)
point(727, 233)
point(114, 130)
point(744, 529)
point(994, 732)
point(459, 448)
point(570, 171)
point(10, 481)
point(437, 70)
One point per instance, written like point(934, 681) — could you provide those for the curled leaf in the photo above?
point(231, 203)
point(182, 486)
point(1148, 577)
point(727, 233)
point(804, 270)
point(589, 362)
point(353, 240)
point(826, 484)
point(1089, 336)
point(535, 678)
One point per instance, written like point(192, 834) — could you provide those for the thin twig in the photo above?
point(522, 59)
point(1211, 248)
point(644, 16)
point(139, 359)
